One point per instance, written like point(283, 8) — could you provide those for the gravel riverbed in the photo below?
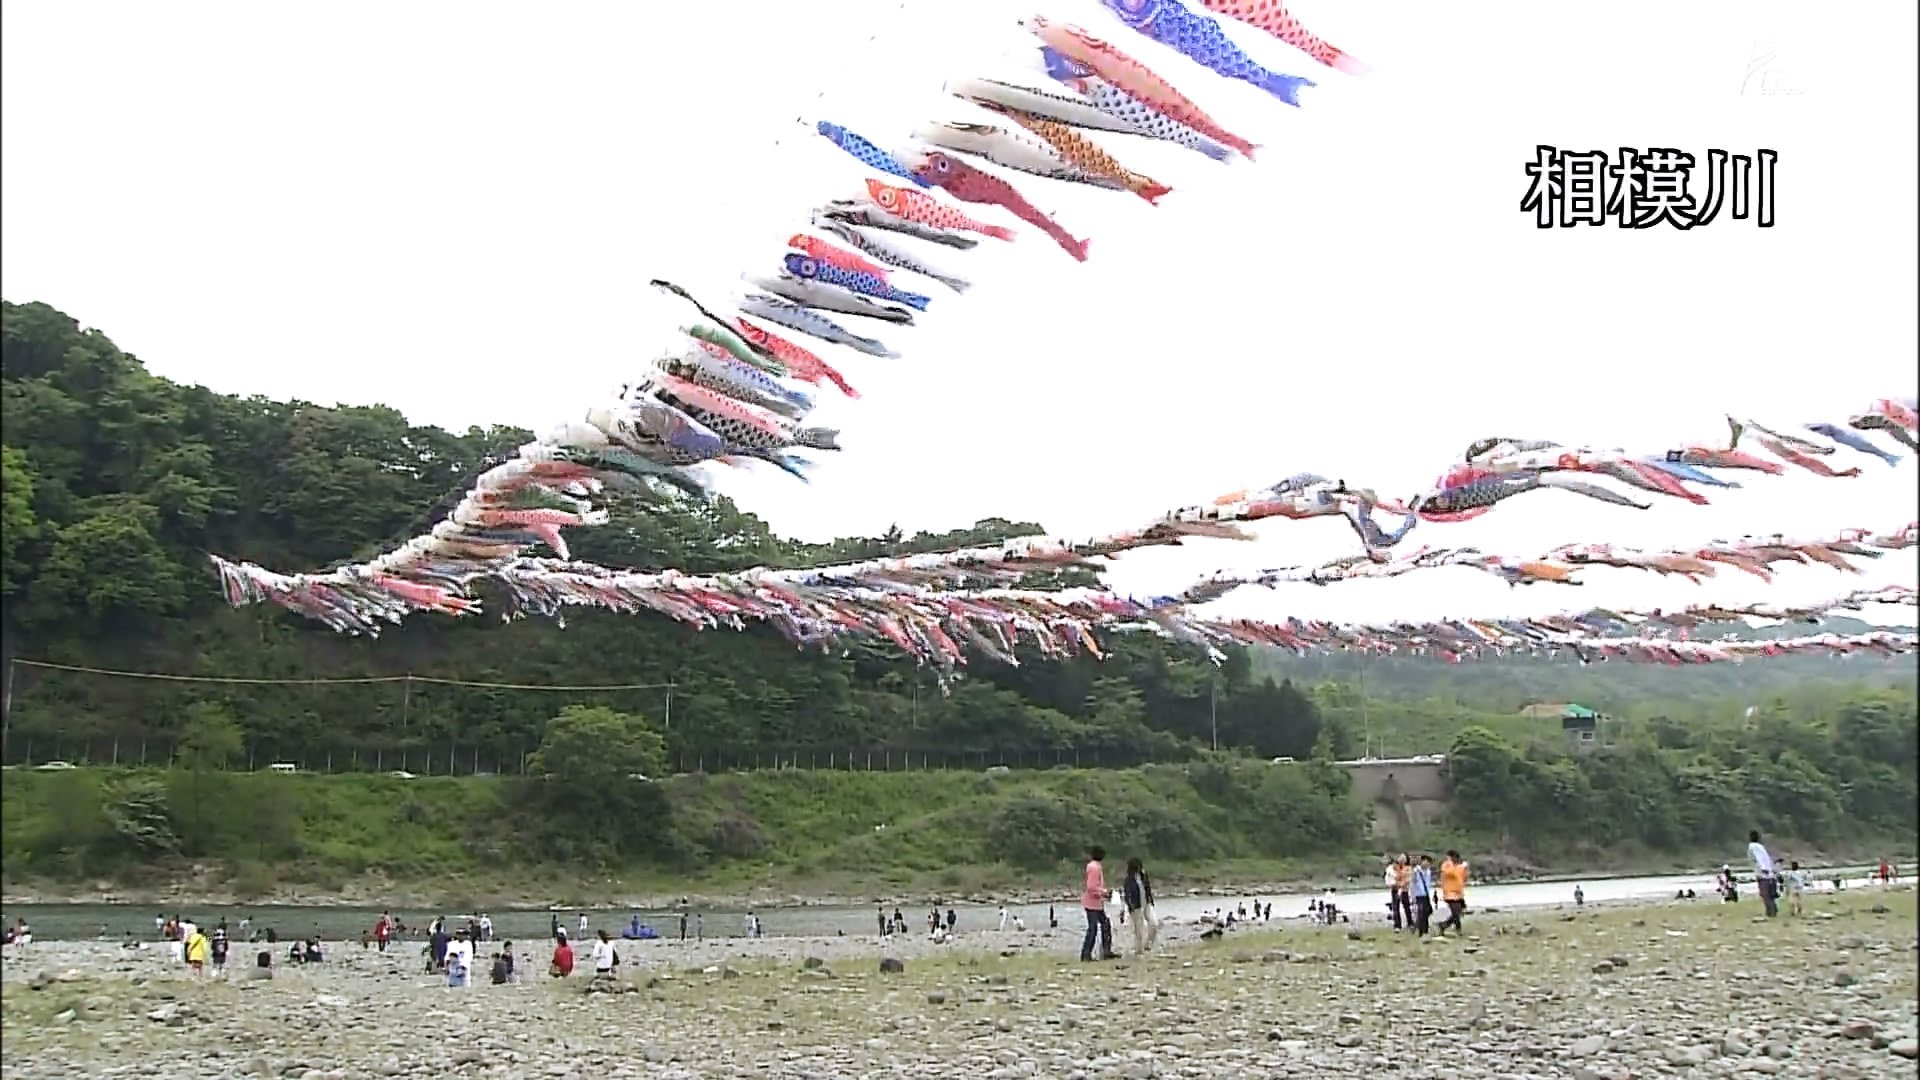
point(1685, 989)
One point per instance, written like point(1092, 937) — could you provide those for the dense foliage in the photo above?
point(1819, 770)
point(797, 828)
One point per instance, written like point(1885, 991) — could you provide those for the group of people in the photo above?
point(1136, 896)
point(1413, 885)
point(1768, 880)
point(453, 954)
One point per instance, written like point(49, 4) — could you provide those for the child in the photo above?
point(1796, 889)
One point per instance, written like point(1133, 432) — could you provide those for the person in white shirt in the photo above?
point(583, 924)
point(459, 961)
point(1764, 878)
point(604, 958)
point(1003, 918)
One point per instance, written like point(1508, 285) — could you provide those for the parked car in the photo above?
point(401, 774)
point(55, 766)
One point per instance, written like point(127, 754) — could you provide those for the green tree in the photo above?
point(1487, 784)
point(18, 523)
point(592, 781)
point(592, 744)
point(210, 738)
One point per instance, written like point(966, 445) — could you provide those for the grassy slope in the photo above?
point(766, 834)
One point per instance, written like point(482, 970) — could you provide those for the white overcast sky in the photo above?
point(453, 208)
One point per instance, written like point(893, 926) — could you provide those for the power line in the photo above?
point(340, 680)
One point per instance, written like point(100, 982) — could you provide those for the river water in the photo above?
point(77, 921)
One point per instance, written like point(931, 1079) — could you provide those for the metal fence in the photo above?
point(28, 751)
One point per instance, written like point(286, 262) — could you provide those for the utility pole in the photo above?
point(1213, 707)
point(6, 704)
point(666, 723)
point(1366, 720)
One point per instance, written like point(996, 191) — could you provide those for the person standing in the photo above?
point(1093, 900)
point(1764, 878)
point(1796, 890)
point(219, 949)
point(1420, 892)
point(1003, 918)
point(459, 960)
point(437, 945)
point(1453, 890)
point(604, 958)
point(683, 924)
point(1137, 893)
point(1399, 899)
point(197, 950)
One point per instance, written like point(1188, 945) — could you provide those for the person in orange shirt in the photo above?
point(1399, 902)
point(1453, 889)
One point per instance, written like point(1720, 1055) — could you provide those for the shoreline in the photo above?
point(668, 953)
point(375, 895)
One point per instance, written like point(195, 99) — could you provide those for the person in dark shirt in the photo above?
point(1137, 891)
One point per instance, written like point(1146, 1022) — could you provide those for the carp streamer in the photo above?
point(751, 371)
point(942, 606)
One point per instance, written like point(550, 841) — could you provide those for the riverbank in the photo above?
point(1612, 992)
point(793, 838)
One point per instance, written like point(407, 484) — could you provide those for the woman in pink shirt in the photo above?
point(1094, 901)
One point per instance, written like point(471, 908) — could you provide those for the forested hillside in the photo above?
point(117, 483)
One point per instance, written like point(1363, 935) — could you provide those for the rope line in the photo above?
point(340, 680)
